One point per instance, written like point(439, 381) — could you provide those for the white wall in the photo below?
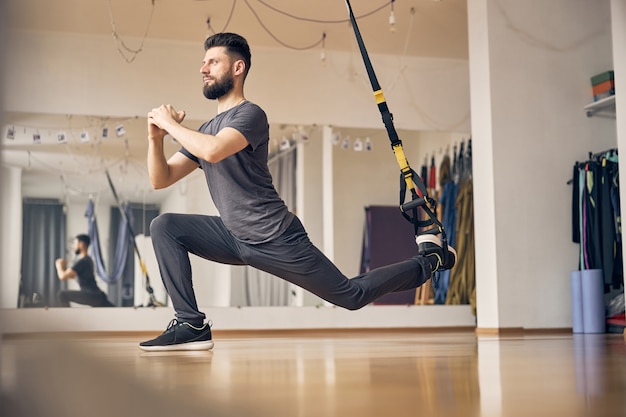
point(85, 75)
point(531, 64)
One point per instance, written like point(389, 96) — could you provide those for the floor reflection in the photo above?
point(388, 373)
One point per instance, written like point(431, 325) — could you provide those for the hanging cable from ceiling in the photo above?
point(230, 17)
point(269, 32)
point(320, 41)
point(127, 53)
point(306, 19)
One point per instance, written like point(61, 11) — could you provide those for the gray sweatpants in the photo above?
point(292, 257)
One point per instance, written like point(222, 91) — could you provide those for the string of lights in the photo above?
point(91, 131)
point(129, 54)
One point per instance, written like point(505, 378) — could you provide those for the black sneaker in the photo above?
point(430, 246)
point(181, 336)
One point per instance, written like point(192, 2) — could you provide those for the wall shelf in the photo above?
point(604, 107)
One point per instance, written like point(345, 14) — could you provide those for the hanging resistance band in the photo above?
point(153, 301)
point(409, 180)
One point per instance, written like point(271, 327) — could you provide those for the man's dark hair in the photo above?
point(236, 47)
point(84, 239)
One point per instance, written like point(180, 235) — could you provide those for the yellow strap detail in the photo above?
point(379, 96)
point(402, 161)
point(404, 165)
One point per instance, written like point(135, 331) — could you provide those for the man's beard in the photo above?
point(76, 251)
point(219, 88)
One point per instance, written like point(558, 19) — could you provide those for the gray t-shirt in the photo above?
point(241, 185)
point(84, 270)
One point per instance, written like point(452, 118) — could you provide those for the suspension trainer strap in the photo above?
point(144, 269)
point(409, 180)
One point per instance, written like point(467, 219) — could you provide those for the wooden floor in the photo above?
point(352, 373)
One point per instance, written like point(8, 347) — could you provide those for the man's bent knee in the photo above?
point(160, 223)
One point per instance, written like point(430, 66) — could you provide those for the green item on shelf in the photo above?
point(600, 78)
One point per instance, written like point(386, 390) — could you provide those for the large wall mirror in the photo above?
point(331, 153)
point(65, 169)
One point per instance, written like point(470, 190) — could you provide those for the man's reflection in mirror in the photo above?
point(82, 269)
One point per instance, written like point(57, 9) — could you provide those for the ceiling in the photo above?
point(436, 28)
point(426, 28)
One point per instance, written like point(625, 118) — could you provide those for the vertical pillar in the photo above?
point(618, 27)
point(483, 166)
point(328, 201)
point(10, 243)
point(328, 206)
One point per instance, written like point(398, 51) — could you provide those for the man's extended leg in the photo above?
point(294, 258)
point(90, 298)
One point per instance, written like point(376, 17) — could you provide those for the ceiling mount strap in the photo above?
point(409, 180)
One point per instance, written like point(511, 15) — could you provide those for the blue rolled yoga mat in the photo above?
point(577, 302)
point(592, 285)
